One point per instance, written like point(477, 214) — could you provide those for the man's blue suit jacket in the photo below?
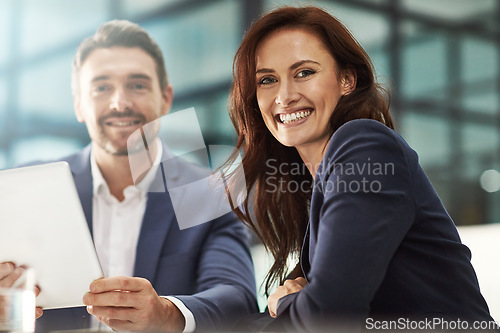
point(208, 267)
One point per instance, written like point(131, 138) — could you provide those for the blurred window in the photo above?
point(49, 24)
point(199, 45)
point(45, 88)
point(429, 136)
point(134, 7)
point(424, 66)
point(5, 30)
point(42, 148)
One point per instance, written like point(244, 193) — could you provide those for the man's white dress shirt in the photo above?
point(116, 227)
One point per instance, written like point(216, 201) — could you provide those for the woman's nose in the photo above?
point(287, 94)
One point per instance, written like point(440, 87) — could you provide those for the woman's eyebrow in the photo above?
point(292, 67)
point(264, 70)
point(301, 62)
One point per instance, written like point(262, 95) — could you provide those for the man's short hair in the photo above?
point(119, 33)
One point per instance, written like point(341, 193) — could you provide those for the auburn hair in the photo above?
point(280, 216)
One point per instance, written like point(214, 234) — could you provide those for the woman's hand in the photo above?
point(289, 287)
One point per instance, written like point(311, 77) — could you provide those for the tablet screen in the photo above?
point(42, 226)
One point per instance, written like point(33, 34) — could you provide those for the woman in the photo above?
point(375, 241)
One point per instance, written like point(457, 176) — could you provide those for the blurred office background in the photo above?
point(440, 58)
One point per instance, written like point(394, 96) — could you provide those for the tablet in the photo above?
point(42, 225)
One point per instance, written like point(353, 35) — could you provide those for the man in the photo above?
point(120, 84)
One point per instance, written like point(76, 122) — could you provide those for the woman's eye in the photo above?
point(267, 80)
point(305, 73)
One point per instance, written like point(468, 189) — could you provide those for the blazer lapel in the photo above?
point(304, 255)
point(80, 167)
point(159, 217)
point(157, 220)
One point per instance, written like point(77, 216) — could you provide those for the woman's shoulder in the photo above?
point(367, 139)
point(363, 133)
point(362, 128)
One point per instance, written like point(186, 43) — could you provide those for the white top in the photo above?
point(116, 227)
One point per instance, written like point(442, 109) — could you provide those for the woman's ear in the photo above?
point(348, 81)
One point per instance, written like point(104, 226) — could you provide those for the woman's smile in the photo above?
point(294, 118)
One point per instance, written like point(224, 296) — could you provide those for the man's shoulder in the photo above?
point(77, 161)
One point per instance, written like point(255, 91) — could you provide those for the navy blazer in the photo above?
point(208, 267)
point(379, 244)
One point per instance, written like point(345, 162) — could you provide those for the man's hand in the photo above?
point(289, 287)
point(131, 304)
point(9, 274)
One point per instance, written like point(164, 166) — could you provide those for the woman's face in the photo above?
point(297, 87)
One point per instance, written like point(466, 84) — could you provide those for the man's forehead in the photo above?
point(118, 61)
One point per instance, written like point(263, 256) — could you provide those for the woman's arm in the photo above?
point(359, 217)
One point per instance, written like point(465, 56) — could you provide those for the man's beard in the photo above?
point(110, 149)
point(107, 145)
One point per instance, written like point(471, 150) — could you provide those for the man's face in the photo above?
point(119, 92)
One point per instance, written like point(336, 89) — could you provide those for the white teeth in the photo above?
point(123, 123)
point(291, 117)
